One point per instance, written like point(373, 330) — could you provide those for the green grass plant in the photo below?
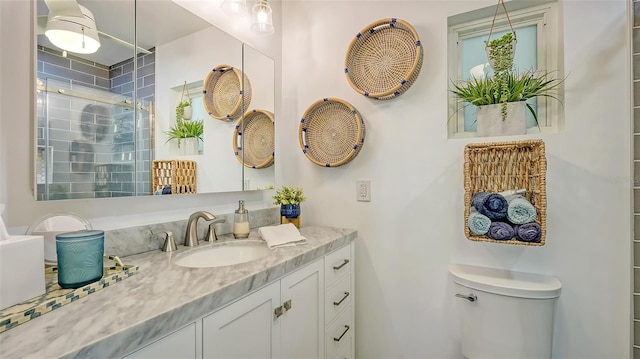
point(520, 86)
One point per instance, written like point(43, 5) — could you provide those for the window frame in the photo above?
point(478, 23)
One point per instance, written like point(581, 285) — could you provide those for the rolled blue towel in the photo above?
point(478, 223)
point(500, 231)
point(520, 210)
point(528, 232)
point(492, 205)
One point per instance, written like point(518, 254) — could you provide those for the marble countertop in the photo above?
point(160, 298)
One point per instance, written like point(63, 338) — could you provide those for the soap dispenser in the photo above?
point(241, 222)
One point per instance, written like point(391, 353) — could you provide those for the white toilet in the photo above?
point(505, 314)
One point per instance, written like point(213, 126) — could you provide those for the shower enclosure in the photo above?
point(93, 141)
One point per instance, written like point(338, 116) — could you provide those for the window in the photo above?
point(537, 48)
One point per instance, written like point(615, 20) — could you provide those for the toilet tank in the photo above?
point(504, 314)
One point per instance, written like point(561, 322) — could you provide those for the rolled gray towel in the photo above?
point(501, 231)
point(492, 205)
point(528, 232)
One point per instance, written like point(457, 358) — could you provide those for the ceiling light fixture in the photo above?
point(261, 18)
point(73, 33)
point(234, 7)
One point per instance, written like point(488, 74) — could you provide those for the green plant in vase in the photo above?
point(185, 129)
point(520, 86)
point(180, 110)
point(507, 84)
point(289, 199)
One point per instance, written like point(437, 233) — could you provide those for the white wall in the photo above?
point(413, 227)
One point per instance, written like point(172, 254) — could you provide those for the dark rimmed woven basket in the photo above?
point(259, 143)
point(179, 174)
point(384, 59)
point(502, 166)
point(331, 132)
point(223, 93)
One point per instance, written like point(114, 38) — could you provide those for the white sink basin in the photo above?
point(223, 254)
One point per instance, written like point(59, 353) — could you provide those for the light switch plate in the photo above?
point(363, 190)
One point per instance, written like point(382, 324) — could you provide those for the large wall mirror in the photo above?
point(102, 118)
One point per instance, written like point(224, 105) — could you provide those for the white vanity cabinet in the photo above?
point(307, 314)
point(282, 320)
point(180, 344)
point(245, 329)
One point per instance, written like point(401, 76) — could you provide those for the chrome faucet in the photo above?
point(191, 237)
point(211, 233)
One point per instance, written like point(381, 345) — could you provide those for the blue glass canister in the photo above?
point(80, 257)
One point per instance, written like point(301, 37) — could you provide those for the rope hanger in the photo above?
point(185, 89)
point(500, 2)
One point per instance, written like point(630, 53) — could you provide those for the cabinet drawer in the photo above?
point(345, 352)
point(339, 333)
point(337, 264)
point(337, 298)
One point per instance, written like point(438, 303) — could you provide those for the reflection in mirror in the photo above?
point(55, 223)
point(260, 70)
point(191, 59)
point(102, 118)
point(85, 112)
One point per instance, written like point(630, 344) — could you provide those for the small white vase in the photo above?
point(489, 120)
point(188, 146)
point(188, 112)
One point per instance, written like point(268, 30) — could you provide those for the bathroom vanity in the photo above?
point(296, 302)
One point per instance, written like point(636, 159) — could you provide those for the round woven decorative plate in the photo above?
point(223, 93)
point(258, 134)
point(331, 132)
point(384, 59)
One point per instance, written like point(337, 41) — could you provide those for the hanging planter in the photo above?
point(184, 110)
point(501, 51)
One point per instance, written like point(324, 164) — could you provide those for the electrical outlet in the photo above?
point(363, 190)
point(247, 185)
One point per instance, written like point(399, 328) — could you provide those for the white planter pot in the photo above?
point(188, 146)
point(188, 112)
point(489, 120)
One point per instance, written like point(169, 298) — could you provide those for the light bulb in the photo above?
point(262, 21)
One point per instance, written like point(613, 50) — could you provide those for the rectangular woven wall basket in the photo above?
point(179, 174)
point(501, 166)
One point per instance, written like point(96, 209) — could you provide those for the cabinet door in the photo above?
point(302, 324)
point(179, 344)
point(245, 329)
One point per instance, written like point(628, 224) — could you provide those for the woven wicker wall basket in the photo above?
point(331, 132)
point(253, 139)
point(502, 166)
point(384, 59)
point(179, 174)
point(226, 92)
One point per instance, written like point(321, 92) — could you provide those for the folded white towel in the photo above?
point(281, 235)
